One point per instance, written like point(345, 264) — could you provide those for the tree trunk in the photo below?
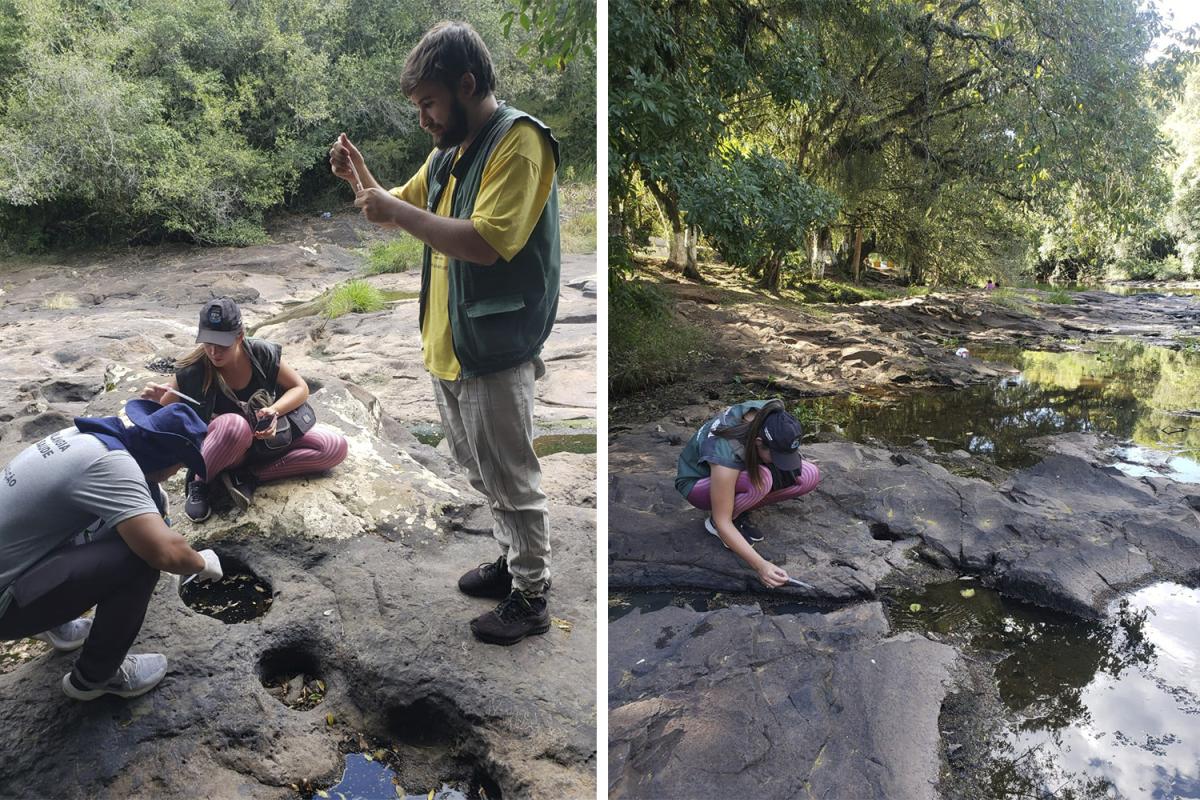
point(769, 278)
point(669, 203)
point(690, 270)
point(857, 254)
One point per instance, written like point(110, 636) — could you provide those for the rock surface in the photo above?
point(362, 562)
point(1067, 533)
point(736, 703)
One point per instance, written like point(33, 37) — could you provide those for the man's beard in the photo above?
point(455, 132)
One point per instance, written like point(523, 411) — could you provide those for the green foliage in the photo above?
point(1060, 297)
point(193, 120)
point(567, 27)
point(830, 291)
point(961, 140)
point(754, 210)
point(394, 255)
point(353, 297)
point(647, 344)
point(578, 233)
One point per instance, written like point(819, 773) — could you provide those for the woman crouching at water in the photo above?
point(227, 375)
point(746, 457)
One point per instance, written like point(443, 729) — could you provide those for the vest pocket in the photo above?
point(492, 330)
point(488, 306)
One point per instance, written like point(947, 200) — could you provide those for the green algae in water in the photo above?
point(1138, 393)
point(1098, 709)
point(564, 443)
point(427, 433)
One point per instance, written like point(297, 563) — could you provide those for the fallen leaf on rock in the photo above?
point(561, 624)
point(967, 593)
point(915, 607)
point(329, 718)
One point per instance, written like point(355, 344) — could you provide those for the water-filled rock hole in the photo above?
point(241, 595)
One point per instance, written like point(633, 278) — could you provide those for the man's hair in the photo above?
point(445, 53)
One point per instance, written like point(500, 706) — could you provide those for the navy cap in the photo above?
point(161, 436)
point(220, 322)
point(781, 434)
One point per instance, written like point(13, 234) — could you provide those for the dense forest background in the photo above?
point(954, 141)
point(124, 121)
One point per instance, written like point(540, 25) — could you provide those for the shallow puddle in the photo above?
point(622, 603)
point(564, 443)
point(375, 775)
point(1147, 396)
point(1099, 709)
point(238, 597)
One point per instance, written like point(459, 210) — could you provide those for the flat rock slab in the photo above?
point(1067, 533)
point(386, 632)
point(363, 561)
point(909, 340)
point(364, 587)
point(735, 703)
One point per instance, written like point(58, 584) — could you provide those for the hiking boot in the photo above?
point(197, 506)
point(518, 616)
point(68, 636)
point(137, 675)
point(488, 580)
point(240, 485)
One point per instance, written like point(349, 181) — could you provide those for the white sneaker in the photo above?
point(711, 527)
point(68, 636)
point(137, 675)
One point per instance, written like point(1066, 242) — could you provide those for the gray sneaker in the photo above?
point(137, 675)
point(68, 636)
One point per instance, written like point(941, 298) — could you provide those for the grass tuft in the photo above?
point(61, 302)
point(648, 345)
point(353, 297)
point(394, 255)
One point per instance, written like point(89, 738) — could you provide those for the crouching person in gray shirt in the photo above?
point(99, 474)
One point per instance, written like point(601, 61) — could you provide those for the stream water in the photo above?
point(1107, 709)
point(1147, 396)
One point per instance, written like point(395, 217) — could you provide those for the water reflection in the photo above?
point(1143, 394)
point(1100, 709)
point(1141, 728)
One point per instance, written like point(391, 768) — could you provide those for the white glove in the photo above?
point(212, 567)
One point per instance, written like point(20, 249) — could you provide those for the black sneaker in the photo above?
point(488, 580)
point(747, 529)
point(240, 485)
point(197, 506)
point(518, 616)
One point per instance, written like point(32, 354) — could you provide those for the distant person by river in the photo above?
point(242, 388)
point(746, 457)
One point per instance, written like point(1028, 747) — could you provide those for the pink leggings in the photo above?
point(229, 439)
point(747, 496)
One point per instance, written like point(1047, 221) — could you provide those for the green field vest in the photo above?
point(500, 314)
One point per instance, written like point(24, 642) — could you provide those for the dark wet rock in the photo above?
point(735, 703)
point(1067, 533)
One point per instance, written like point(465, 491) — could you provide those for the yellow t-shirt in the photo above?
point(513, 191)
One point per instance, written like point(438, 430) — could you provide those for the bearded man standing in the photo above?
point(485, 204)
